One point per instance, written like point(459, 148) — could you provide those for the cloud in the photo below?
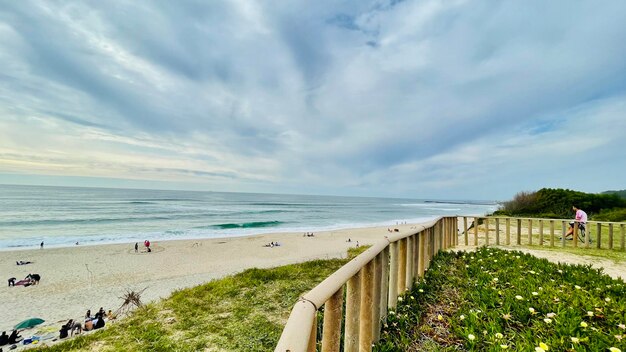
point(396, 98)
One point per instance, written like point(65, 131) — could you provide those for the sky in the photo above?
point(416, 99)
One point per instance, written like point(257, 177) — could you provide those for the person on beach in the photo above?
point(580, 218)
point(12, 281)
point(15, 337)
point(136, 247)
point(4, 338)
point(41, 245)
point(88, 315)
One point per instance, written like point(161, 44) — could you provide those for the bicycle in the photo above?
point(582, 232)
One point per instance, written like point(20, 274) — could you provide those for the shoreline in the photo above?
point(220, 236)
point(83, 277)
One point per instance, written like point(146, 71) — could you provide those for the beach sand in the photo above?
point(78, 278)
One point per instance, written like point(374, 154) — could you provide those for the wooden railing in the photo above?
point(541, 232)
point(372, 283)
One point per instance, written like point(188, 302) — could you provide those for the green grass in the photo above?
point(243, 312)
point(495, 300)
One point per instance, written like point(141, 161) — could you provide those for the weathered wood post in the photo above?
point(394, 262)
point(402, 267)
point(588, 235)
point(408, 280)
point(486, 222)
point(551, 233)
point(530, 232)
point(465, 231)
point(623, 235)
point(575, 234)
point(519, 232)
point(475, 231)
point(365, 324)
point(599, 235)
point(331, 339)
point(376, 297)
point(610, 235)
point(353, 301)
point(563, 232)
point(384, 290)
point(422, 240)
point(508, 231)
point(497, 231)
point(541, 232)
point(313, 336)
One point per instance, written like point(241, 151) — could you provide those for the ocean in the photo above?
point(62, 216)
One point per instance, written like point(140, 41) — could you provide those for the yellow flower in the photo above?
point(574, 339)
point(544, 346)
point(583, 324)
point(615, 349)
point(504, 347)
point(439, 317)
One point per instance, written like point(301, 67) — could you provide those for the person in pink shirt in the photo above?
point(581, 219)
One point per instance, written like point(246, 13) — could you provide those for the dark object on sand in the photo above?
point(12, 281)
point(4, 338)
point(15, 337)
point(22, 262)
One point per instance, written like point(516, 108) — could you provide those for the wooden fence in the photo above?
point(361, 292)
point(541, 232)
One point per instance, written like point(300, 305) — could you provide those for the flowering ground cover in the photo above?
point(494, 300)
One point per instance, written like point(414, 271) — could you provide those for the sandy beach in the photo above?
point(78, 278)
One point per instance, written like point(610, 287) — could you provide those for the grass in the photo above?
point(243, 312)
point(494, 300)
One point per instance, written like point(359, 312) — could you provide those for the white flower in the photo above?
point(589, 313)
point(547, 320)
point(495, 279)
point(421, 290)
point(399, 299)
point(577, 287)
point(462, 317)
point(560, 271)
point(575, 339)
point(539, 349)
point(471, 337)
point(499, 335)
point(535, 293)
point(608, 299)
point(551, 315)
point(583, 324)
point(531, 310)
point(518, 297)
point(622, 326)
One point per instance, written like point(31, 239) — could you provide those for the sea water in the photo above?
point(64, 216)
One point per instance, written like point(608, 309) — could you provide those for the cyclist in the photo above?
point(581, 219)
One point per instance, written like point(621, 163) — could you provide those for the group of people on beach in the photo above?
point(146, 244)
point(30, 279)
point(272, 244)
point(10, 339)
point(308, 234)
point(97, 321)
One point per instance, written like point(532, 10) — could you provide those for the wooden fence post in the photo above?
point(497, 231)
point(421, 241)
point(465, 231)
point(610, 235)
point(384, 290)
point(563, 232)
point(575, 234)
point(623, 235)
point(353, 301)
point(587, 235)
point(402, 267)
point(530, 232)
point(599, 235)
point(331, 339)
point(551, 233)
point(376, 297)
point(519, 232)
point(393, 275)
point(408, 277)
point(313, 336)
point(365, 324)
point(540, 232)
